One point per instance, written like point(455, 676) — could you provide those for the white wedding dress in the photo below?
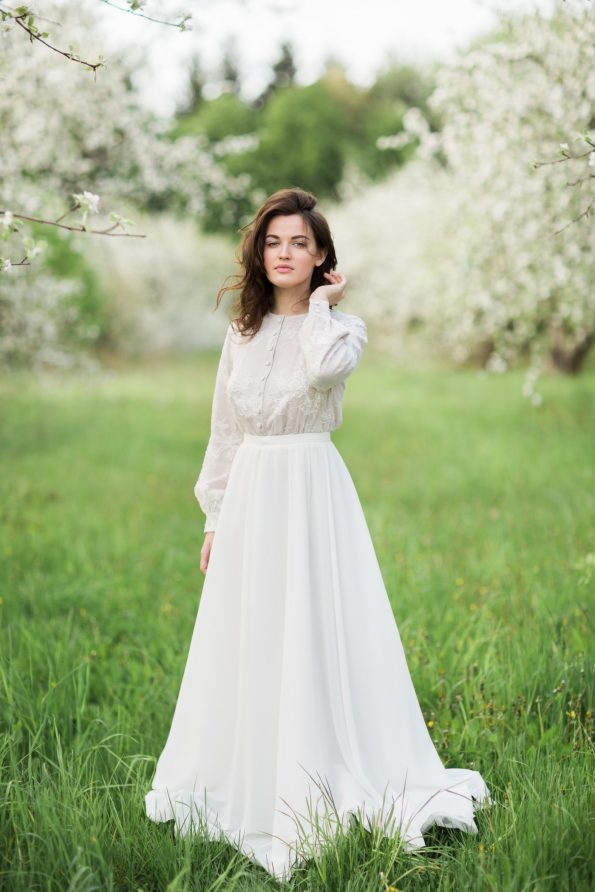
point(296, 707)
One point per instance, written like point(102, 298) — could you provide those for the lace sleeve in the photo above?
point(224, 440)
point(332, 347)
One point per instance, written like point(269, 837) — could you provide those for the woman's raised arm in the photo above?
point(332, 347)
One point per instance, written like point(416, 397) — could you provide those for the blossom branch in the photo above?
point(585, 213)
point(87, 202)
point(134, 8)
point(566, 156)
point(580, 180)
point(81, 228)
point(24, 18)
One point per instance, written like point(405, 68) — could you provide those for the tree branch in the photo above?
point(585, 213)
point(136, 12)
point(564, 158)
point(23, 17)
point(107, 231)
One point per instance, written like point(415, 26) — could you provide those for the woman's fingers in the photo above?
point(205, 553)
point(337, 282)
point(336, 278)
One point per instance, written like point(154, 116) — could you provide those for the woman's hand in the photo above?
point(205, 552)
point(333, 292)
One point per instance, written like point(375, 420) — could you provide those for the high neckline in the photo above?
point(287, 315)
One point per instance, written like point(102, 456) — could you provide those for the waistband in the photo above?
point(287, 439)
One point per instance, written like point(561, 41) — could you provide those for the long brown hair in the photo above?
point(256, 291)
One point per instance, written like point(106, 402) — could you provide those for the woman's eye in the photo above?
point(275, 244)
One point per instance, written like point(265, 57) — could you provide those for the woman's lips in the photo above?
point(284, 269)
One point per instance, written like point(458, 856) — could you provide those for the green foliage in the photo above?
point(305, 134)
point(284, 72)
point(227, 115)
point(216, 120)
point(406, 84)
point(382, 119)
point(301, 141)
point(90, 304)
point(482, 517)
point(396, 89)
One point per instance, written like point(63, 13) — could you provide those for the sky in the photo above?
point(363, 36)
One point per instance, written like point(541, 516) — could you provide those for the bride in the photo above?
point(296, 708)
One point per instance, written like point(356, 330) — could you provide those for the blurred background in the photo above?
point(450, 145)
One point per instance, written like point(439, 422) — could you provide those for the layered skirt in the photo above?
point(296, 707)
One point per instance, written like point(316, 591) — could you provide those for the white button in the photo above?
point(263, 378)
point(268, 362)
point(259, 424)
point(270, 347)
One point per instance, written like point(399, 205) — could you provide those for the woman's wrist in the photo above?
point(319, 297)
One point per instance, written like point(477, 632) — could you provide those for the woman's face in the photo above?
point(290, 252)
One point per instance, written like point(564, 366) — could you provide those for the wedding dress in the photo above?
point(296, 707)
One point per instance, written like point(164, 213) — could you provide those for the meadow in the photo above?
point(482, 511)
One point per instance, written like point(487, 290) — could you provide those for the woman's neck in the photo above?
point(289, 301)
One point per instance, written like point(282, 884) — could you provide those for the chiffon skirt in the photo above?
point(296, 707)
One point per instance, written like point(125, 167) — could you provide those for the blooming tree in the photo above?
point(513, 273)
point(79, 139)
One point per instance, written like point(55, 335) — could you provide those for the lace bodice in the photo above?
point(289, 378)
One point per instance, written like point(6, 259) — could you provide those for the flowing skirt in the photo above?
point(296, 707)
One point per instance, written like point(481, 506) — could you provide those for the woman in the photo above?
point(296, 706)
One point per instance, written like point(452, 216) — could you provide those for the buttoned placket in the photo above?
point(268, 364)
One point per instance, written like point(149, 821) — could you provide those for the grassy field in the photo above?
point(482, 510)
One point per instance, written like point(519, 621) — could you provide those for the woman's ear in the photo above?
point(322, 257)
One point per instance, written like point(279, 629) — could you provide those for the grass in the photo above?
point(482, 511)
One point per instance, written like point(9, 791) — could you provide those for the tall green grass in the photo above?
point(482, 511)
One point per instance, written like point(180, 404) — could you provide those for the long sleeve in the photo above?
point(332, 347)
point(224, 440)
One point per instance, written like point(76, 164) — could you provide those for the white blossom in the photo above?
point(88, 201)
point(478, 256)
point(66, 135)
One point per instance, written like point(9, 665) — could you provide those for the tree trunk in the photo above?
point(569, 359)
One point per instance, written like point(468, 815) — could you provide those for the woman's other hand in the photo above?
point(205, 552)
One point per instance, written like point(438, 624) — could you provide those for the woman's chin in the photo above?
point(286, 280)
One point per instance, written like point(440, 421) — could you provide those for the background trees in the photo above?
point(460, 194)
point(296, 134)
point(483, 247)
point(63, 132)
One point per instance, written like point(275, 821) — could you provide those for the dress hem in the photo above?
point(413, 815)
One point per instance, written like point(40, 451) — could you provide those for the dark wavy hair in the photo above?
point(256, 291)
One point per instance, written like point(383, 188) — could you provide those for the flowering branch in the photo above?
point(80, 228)
point(87, 202)
point(135, 6)
point(567, 156)
point(24, 18)
point(584, 213)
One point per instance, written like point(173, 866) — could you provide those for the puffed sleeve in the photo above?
point(224, 440)
point(332, 346)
